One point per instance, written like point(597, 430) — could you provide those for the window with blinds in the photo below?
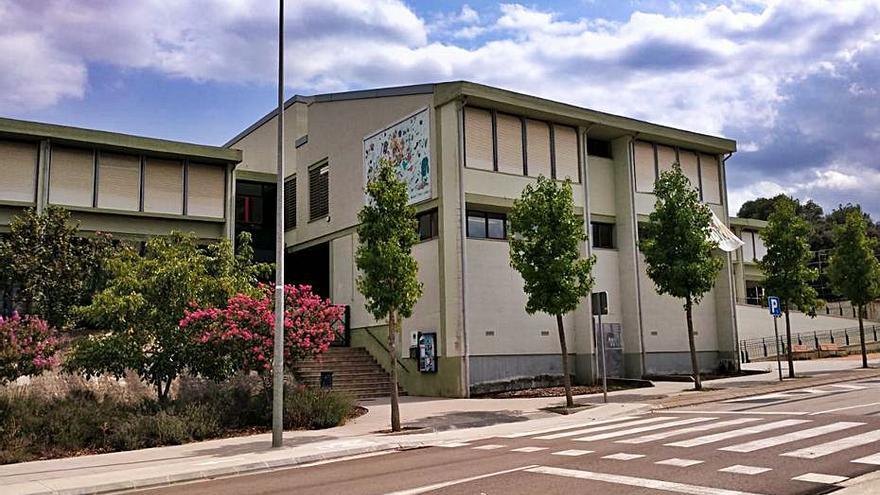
point(71, 177)
point(711, 177)
point(538, 148)
point(510, 143)
point(18, 168)
point(565, 146)
point(163, 186)
point(206, 190)
point(690, 168)
point(290, 203)
point(644, 162)
point(319, 192)
point(478, 140)
point(119, 181)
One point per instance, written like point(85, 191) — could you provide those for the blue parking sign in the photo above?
point(774, 306)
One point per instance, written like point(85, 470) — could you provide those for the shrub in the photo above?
point(28, 346)
point(315, 408)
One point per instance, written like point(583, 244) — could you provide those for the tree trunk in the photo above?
point(392, 355)
point(566, 377)
point(862, 338)
point(695, 365)
point(790, 353)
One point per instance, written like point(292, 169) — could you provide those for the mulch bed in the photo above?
point(530, 393)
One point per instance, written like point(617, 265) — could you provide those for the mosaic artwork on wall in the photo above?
point(407, 145)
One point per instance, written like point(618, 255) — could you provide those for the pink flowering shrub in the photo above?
point(28, 346)
point(239, 336)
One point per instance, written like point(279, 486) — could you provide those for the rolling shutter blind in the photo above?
point(688, 160)
point(510, 144)
point(290, 203)
point(665, 158)
point(711, 179)
point(478, 139)
point(644, 162)
point(18, 168)
point(566, 148)
point(163, 186)
point(206, 190)
point(119, 181)
point(748, 246)
point(71, 177)
point(319, 192)
point(538, 148)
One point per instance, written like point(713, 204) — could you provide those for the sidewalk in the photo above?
point(437, 421)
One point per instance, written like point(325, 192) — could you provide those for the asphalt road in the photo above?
point(797, 442)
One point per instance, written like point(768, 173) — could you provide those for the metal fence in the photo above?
point(765, 347)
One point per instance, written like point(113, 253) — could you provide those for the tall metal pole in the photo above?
point(278, 357)
point(604, 357)
point(778, 357)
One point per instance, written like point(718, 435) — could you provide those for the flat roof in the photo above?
point(748, 222)
point(105, 140)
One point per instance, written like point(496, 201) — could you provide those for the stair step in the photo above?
point(355, 372)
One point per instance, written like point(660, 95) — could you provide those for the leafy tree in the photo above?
point(854, 270)
point(785, 266)
point(52, 265)
point(547, 256)
point(388, 278)
point(144, 301)
point(28, 346)
point(678, 251)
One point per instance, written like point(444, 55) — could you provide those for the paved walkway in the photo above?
point(434, 421)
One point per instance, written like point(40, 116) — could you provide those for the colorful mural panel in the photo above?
point(407, 145)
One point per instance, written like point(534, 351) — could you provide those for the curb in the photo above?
point(726, 394)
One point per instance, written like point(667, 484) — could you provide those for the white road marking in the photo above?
point(750, 430)
point(748, 470)
point(753, 398)
point(453, 444)
point(623, 456)
point(347, 458)
point(437, 486)
point(794, 436)
point(836, 446)
point(858, 406)
point(750, 413)
point(642, 429)
point(874, 460)
point(848, 386)
point(529, 449)
point(617, 479)
point(827, 479)
point(567, 427)
point(682, 431)
point(490, 446)
point(573, 452)
point(675, 461)
point(606, 427)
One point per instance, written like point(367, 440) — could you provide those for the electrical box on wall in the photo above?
point(427, 352)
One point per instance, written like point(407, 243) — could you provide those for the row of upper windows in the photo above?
point(491, 225)
point(701, 169)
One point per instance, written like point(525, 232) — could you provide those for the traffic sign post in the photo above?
point(776, 312)
point(600, 307)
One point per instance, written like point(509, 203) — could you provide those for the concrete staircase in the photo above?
point(355, 372)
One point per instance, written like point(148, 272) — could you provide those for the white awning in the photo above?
point(726, 239)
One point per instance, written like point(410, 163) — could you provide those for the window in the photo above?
point(484, 225)
point(599, 147)
point(538, 159)
point(319, 192)
point(119, 181)
point(478, 139)
point(18, 167)
point(249, 209)
point(509, 132)
point(163, 186)
point(565, 149)
point(428, 225)
point(71, 177)
point(290, 203)
point(603, 235)
point(646, 166)
point(206, 189)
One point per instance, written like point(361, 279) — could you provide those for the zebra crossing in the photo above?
point(723, 442)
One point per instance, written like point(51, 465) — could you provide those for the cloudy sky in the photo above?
point(795, 82)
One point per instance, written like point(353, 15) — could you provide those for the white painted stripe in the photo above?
point(529, 449)
point(606, 427)
point(873, 460)
point(573, 452)
point(858, 406)
point(747, 470)
point(752, 398)
point(750, 413)
point(437, 486)
point(848, 386)
point(623, 456)
point(490, 446)
point(566, 427)
point(826, 479)
point(642, 429)
point(724, 435)
point(827, 448)
point(617, 479)
point(683, 431)
point(346, 458)
point(453, 444)
point(675, 461)
point(794, 436)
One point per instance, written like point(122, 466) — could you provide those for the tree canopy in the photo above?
point(785, 266)
point(854, 270)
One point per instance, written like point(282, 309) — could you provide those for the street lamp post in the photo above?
point(278, 357)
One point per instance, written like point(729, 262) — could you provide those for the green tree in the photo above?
point(854, 270)
point(785, 266)
point(144, 302)
point(53, 266)
point(678, 251)
point(547, 254)
point(388, 272)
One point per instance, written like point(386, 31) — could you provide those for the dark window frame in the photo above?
point(433, 220)
point(485, 216)
point(290, 203)
point(608, 235)
point(319, 211)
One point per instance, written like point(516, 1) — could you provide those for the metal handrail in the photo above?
point(383, 346)
point(763, 347)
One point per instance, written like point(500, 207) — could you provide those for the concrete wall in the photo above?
point(602, 191)
point(755, 322)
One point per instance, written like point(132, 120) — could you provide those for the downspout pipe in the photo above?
point(585, 183)
point(638, 275)
point(466, 357)
point(730, 278)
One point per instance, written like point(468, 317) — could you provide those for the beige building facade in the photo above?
point(469, 152)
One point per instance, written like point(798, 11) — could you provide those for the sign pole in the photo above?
point(604, 358)
point(278, 347)
point(778, 358)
